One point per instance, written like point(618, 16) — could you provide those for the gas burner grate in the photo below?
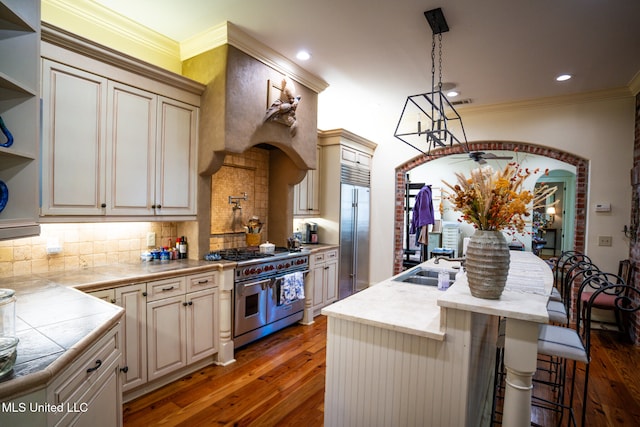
point(242, 254)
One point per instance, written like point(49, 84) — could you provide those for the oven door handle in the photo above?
point(263, 284)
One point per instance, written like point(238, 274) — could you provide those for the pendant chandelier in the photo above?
point(426, 119)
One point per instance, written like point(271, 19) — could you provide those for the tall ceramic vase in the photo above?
point(487, 264)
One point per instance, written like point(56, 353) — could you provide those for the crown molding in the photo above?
point(75, 43)
point(579, 98)
point(98, 17)
point(337, 134)
point(229, 33)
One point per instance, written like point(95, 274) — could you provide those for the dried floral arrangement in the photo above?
point(496, 200)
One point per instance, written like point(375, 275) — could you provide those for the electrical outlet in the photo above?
point(151, 239)
point(604, 240)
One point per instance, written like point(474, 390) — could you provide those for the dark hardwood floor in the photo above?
point(279, 381)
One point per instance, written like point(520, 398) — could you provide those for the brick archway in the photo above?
point(582, 171)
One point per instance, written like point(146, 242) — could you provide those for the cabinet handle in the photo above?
point(98, 364)
point(326, 268)
point(168, 289)
point(125, 369)
point(202, 282)
point(104, 205)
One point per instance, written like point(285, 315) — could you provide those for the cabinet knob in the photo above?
point(104, 205)
point(185, 304)
point(190, 302)
point(144, 294)
point(125, 369)
point(158, 206)
point(153, 206)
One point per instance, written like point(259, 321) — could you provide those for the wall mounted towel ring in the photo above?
point(6, 133)
point(4, 195)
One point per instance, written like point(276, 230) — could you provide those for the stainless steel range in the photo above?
point(264, 291)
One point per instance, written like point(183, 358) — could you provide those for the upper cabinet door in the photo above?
point(176, 144)
point(74, 141)
point(131, 132)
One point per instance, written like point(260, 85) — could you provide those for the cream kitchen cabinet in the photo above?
point(113, 149)
point(182, 320)
point(133, 299)
point(152, 153)
point(355, 158)
point(324, 270)
point(169, 324)
point(20, 113)
point(306, 194)
point(74, 141)
point(89, 390)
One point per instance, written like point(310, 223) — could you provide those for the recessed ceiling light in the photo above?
point(303, 55)
point(452, 94)
point(563, 77)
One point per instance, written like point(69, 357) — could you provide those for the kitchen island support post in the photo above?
point(520, 360)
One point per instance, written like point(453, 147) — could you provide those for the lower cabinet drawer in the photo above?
point(70, 389)
point(198, 282)
point(166, 288)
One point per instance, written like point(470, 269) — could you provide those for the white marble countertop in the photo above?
point(394, 305)
point(415, 309)
point(525, 295)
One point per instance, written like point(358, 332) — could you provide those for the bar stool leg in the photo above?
point(520, 360)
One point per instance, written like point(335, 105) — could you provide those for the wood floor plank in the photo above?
point(279, 381)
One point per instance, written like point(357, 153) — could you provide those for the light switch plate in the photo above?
point(151, 239)
point(605, 240)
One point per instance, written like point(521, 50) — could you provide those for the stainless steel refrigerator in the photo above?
point(354, 239)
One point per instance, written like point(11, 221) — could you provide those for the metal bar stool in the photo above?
point(575, 344)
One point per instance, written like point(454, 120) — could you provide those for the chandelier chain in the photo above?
point(440, 61)
point(433, 62)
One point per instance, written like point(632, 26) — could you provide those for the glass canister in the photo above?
point(8, 339)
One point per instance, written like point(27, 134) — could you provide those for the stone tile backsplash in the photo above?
point(83, 246)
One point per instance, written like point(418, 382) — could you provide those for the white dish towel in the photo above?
point(291, 288)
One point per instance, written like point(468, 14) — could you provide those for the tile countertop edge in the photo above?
point(37, 380)
point(139, 277)
point(319, 247)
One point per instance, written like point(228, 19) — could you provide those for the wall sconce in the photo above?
point(551, 211)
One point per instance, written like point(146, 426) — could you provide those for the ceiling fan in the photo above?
point(481, 157)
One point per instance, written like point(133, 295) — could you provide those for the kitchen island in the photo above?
point(406, 354)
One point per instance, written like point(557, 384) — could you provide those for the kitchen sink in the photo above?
point(434, 274)
point(424, 276)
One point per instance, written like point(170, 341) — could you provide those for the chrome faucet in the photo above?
point(446, 258)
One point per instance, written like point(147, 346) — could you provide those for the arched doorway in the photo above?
point(581, 165)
